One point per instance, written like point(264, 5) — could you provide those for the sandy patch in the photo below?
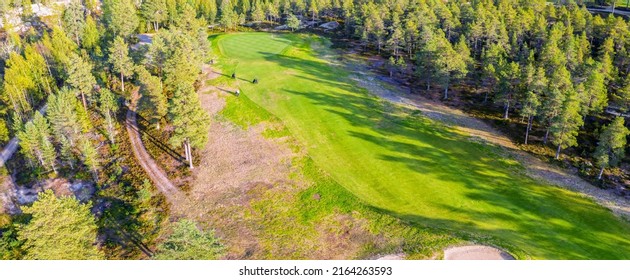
point(476, 252)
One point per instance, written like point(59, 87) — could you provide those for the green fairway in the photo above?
point(401, 163)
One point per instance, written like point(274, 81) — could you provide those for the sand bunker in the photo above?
point(476, 252)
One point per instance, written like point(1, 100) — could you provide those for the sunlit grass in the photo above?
point(405, 165)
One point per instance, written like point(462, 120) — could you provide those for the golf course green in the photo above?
point(403, 164)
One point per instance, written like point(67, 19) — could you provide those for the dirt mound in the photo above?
point(476, 252)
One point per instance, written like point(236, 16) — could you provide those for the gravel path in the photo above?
point(155, 173)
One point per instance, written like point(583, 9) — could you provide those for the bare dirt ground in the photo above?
point(476, 252)
point(481, 131)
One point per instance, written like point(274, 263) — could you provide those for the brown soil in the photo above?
point(235, 167)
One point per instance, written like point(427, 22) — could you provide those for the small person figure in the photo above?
point(212, 61)
point(233, 75)
point(255, 81)
point(237, 92)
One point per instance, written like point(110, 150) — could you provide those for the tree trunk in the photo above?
point(529, 123)
point(186, 151)
point(122, 80)
point(546, 136)
point(84, 102)
point(190, 159)
point(558, 152)
point(111, 128)
point(446, 88)
point(601, 172)
point(507, 110)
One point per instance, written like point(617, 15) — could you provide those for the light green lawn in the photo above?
point(403, 164)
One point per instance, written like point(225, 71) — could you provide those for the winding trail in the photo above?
point(155, 173)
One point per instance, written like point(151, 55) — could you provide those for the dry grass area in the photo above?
point(237, 188)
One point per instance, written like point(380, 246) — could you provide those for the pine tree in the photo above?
point(209, 10)
point(229, 18)
point(293, 22)
point(74, 20)
point(17, 85)
point(40, 73)
point(119, 58)
point(158, 54)
point(595, 96)
point(509, 74)
point(60, 228)
point(534, 86)
point(61, 48)
point(108, 108)
point(622, 96)
point(46, 153)
point(89, 156)
point(490, 58)
point(452, 62)
point(565, 125)
point(120, 17)
point(611, 145)
point(151, 89)
point(91, 37)
point(67, 151)
point(154, 11)
point(189, 120)
point(63, 116)
point(396, 36)
point(555, 96)
point(80, 77)
point(427, 55)
point(29, 143)
point(258, 13)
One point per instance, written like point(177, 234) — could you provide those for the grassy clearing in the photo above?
point(311, 217)
point(403, 164)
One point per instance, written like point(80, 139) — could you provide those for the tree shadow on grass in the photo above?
point(478, 192)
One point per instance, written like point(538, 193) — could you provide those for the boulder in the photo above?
point(330, 25)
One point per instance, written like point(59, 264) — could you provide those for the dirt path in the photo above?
point(155, 173)
point(477, 129)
